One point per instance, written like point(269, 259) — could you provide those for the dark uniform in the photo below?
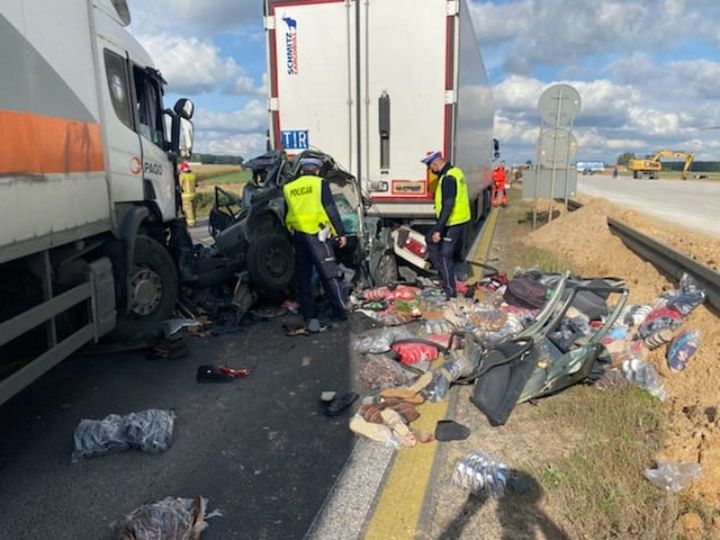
point(310, 209)
point(452, 208)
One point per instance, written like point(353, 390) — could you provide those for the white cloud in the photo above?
point(193, 17)
point(190, 66)
point(558, 32)
point(245, 85)
point(247, 145)
point(252, 117)
point(239, 132)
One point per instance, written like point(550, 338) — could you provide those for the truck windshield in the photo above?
point(149, 107)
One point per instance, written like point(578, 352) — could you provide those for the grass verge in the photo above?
point(598, 488)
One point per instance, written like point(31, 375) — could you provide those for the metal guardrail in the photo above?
point(664, 257)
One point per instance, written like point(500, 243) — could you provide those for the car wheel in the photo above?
point(271, 264)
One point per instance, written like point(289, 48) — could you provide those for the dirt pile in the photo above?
point(584, 240)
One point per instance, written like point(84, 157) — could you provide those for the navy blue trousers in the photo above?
point(312, 253)
point(442, 256)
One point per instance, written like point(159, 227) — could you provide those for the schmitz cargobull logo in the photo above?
point(291, 45)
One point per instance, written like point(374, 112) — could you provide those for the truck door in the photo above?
point(150, 122)
point(122, 146)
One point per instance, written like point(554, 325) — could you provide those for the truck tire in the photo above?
point(153, 291)
point(271, 264)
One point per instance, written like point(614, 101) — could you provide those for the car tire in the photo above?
point(271, 264)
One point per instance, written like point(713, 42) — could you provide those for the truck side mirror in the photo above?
point(184, 108)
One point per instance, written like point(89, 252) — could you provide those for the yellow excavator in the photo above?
point(651, 167)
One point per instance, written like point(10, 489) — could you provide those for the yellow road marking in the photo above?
point(398, 509)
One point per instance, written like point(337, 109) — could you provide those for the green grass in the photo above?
point(238, 177)
point(599, 487)
point(545, 260)
point(204, 203)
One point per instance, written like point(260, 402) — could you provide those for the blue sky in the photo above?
point(648, 71)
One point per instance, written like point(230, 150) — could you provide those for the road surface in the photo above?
point(692, 204)
point(259, 448)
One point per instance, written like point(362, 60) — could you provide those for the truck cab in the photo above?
point(90, 242)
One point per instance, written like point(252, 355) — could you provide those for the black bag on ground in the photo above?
point(513, 374)
point(508, 368)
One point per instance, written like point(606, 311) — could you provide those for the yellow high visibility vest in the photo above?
point(303, 197)
point(461, 209)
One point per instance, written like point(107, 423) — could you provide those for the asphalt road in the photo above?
point(692, 204)
point(259, 448)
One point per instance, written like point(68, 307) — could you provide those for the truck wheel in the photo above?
point(153, 290)
point(270, 263)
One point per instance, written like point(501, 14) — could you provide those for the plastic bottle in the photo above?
point(644, 376)
point(478, 472)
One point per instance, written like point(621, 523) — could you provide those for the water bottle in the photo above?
point(478, 472)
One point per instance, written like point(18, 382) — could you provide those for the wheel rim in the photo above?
point(276, 261)
point(386, 269)
point(146, 291)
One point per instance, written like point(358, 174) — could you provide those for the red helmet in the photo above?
point(184, 167)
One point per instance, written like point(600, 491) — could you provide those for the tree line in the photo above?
point(212, 159)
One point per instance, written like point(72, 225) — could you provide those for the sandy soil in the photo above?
point(582, 238)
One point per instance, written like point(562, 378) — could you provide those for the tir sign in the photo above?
point(295, 140)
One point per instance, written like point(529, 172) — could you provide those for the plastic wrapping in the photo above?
point(99, 437)
point(660, 319)
point(457, 365)
point(379, 342)
point(150, 430)
point(673, 476)
point(634, 315)
point(682, 348)
point(644, 376)
point(172, 518)
point(382, 372)
point(687, 297)
point(478, 472)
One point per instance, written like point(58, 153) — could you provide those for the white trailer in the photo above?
point(87, 183)
point(377, 85)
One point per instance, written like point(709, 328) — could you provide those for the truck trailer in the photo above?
point(90, 240)
point(377, 85)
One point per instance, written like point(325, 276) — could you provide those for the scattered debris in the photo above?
point(172, 518)
point(480, 473)
point(150, 430)
point(210, 373)
point(673, 476)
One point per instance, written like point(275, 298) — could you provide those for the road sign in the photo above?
point(559, 105)
point(557, 148)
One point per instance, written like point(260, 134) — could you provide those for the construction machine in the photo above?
point(651, 167)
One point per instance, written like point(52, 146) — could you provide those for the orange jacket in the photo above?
point(499, 176)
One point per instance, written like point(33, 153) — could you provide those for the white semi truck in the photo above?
point(376, 85)
point(89, 240)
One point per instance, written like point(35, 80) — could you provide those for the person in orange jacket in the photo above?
point(499, 177)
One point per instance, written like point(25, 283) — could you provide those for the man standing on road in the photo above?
point(312, 218)
point(499, 177)
point(452, 208)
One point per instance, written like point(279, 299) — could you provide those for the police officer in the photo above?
point(312, 217)
point(452, 208)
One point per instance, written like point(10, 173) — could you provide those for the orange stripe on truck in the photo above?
point(37, 144)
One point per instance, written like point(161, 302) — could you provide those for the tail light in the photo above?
point(415, 247)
